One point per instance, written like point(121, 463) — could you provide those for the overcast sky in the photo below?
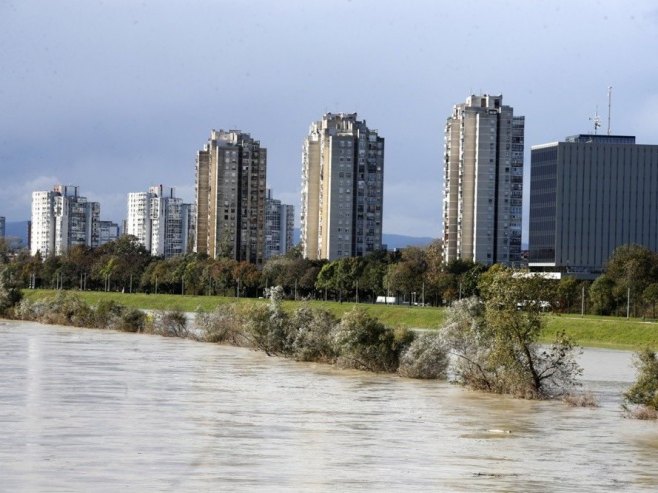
point(118, 95)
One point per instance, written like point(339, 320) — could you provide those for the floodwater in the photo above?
point(90, 410)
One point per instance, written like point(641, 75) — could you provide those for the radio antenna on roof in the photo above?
point(596, 120)
point(609, 106)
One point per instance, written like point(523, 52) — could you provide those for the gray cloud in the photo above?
point(117, 96)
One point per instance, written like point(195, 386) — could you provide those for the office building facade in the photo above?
point(589, 195)
point(230, 185)
point(279, 226)
point(483, 182)
point(342, 188)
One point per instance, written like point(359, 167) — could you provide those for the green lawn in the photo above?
point(390, 315)
point(613, 332)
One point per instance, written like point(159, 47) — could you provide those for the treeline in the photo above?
point(411, 275)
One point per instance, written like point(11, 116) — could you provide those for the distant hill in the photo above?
point(390, 240)
point(401, 241)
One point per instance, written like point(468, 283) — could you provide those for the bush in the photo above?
point(586, 399)
point(643, 394)
point(312, 330)
point(364, 343)
point(170, 324)
point(267, 327)
point(426, 357)
point(223, 325)
point(132, 320)
point(107, 314)
point(63, 309)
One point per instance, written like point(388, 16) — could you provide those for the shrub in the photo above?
point(364, 343)
point(312, 330)
point(10, 295)
point(63, 309)
point(426, 357)
point(171, 323)
point(643, 394)
point(107, 314)
point(267, 327)
point(132, 320)
point(586, 399)
point(223, 325)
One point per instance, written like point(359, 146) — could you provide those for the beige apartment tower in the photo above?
point(483, 182)
point(342, 188)
point(230, 197)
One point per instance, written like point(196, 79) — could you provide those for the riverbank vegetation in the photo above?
point(588, 330)
point(641, 400)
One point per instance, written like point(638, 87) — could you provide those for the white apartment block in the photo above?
point(62, 219)
point(159, 220)
point(138, 223)
point(342, 188)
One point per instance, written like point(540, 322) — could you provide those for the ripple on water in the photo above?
point(85, 410)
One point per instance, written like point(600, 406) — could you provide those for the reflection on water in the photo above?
point(85, 410)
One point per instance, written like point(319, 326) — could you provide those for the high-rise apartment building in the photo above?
point(589, 195)
point(483, 182)
point(231, 172)
point(107, 231)
point(279, 225)
point(342, 188)
point(2, 226)
point(62, 219)
point(159, 220)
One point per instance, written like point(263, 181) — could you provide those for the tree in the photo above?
point(496, 339)
point(631, 268)
point(567, 292)
point(408, 274)
point(644, 392)
point(650, 295)
point(10, 295)
point(601, 295)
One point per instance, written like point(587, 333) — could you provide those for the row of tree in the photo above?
point(412, 275)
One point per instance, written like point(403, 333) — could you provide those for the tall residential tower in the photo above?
point(62, 219)
point(279, 224)
point(483, 182)
point(159, 220)
point(342, 188)
point(230, 197)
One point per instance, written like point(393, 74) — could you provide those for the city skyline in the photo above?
point(84, 118)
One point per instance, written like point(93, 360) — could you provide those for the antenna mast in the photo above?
point(609, 106)
point(596, 120)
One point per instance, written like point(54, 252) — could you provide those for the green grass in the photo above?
point(593, 331)
point(611, 332)
point(390, 315)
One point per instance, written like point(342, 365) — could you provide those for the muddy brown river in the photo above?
point(90, 410)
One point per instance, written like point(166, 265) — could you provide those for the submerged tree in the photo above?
point(496, 339)
point(644, 392)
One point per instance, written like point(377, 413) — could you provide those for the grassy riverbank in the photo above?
point(390, 315)
point(594, 331)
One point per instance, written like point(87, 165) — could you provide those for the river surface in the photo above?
point(91, 410)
